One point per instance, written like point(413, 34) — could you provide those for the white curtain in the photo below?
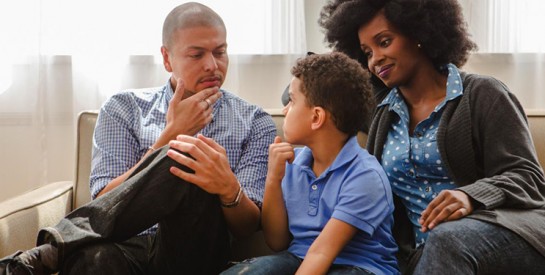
point(59, 57)
point(506, 26)
point(511, 45)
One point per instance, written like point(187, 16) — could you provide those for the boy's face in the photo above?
point(298, 115)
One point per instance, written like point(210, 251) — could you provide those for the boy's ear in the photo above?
point(319, 117)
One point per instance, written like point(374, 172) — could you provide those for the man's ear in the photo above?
point(319, 116)
point(166, 61)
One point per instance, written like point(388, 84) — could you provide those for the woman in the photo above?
point(469, 191)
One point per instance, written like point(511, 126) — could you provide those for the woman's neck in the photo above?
point(424, 92)
point(427, 85)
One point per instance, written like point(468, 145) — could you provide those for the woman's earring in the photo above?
point(419, 45)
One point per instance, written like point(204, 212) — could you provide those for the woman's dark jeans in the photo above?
point(470, 246)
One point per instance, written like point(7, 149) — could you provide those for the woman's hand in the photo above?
point(448, 206)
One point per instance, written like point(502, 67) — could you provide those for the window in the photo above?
point(133, 27)
point(506, 26)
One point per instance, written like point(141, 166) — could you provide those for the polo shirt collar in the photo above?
point(347, 154)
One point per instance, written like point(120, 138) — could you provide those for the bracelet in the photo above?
point(235, 202)
point(152, 149)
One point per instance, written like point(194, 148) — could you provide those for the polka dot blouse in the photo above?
point(412, 162)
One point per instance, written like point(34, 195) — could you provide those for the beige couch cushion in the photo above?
point(86, 128)
point(536, 120)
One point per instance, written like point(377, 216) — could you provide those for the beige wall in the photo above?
point(315, 36)
point(523, 73)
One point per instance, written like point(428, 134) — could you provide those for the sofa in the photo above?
point(21, 217)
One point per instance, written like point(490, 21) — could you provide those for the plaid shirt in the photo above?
point(131, 121)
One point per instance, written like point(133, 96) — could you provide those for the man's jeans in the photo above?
point(284, 263)
point(470, 246)
point(192, 237)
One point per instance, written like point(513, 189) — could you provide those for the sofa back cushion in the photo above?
point(536, 121)
point(87, 120)
point(86, 128)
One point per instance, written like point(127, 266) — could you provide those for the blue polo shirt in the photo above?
point(355, 190)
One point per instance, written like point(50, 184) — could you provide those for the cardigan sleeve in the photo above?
point(510, 174)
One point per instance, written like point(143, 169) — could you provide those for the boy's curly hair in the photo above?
point(438, 25)
point(340, 85)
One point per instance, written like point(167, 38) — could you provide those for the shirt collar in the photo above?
point(347, 154)
point(454, 88)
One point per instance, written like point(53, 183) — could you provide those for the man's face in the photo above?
point(197, 55)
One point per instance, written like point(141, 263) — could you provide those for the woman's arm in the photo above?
point(506, 172)
point(510, 174)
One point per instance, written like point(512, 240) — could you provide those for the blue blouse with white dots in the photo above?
point(412, 162)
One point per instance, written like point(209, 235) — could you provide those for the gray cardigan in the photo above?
point(485, 144)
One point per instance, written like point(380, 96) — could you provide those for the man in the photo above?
point(207, 182)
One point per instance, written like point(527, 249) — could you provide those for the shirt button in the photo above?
point(428, 189)
point(314, 187)
point(419, 134)
point(411, 173)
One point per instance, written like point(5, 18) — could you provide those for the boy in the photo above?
point(329, 209)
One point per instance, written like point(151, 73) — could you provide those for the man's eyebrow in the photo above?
point(224, 45)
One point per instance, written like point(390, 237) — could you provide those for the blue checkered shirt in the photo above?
point(131, 121)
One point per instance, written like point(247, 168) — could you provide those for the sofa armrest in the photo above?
point(22, 217)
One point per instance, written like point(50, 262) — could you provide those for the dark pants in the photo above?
point(100, 237)
point(285, 263)
point(469, 246)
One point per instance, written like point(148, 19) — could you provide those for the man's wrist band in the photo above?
point(235, 202)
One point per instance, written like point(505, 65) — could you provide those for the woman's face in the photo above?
point(391, 56)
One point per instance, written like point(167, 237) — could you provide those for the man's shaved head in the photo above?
point(189, 15)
